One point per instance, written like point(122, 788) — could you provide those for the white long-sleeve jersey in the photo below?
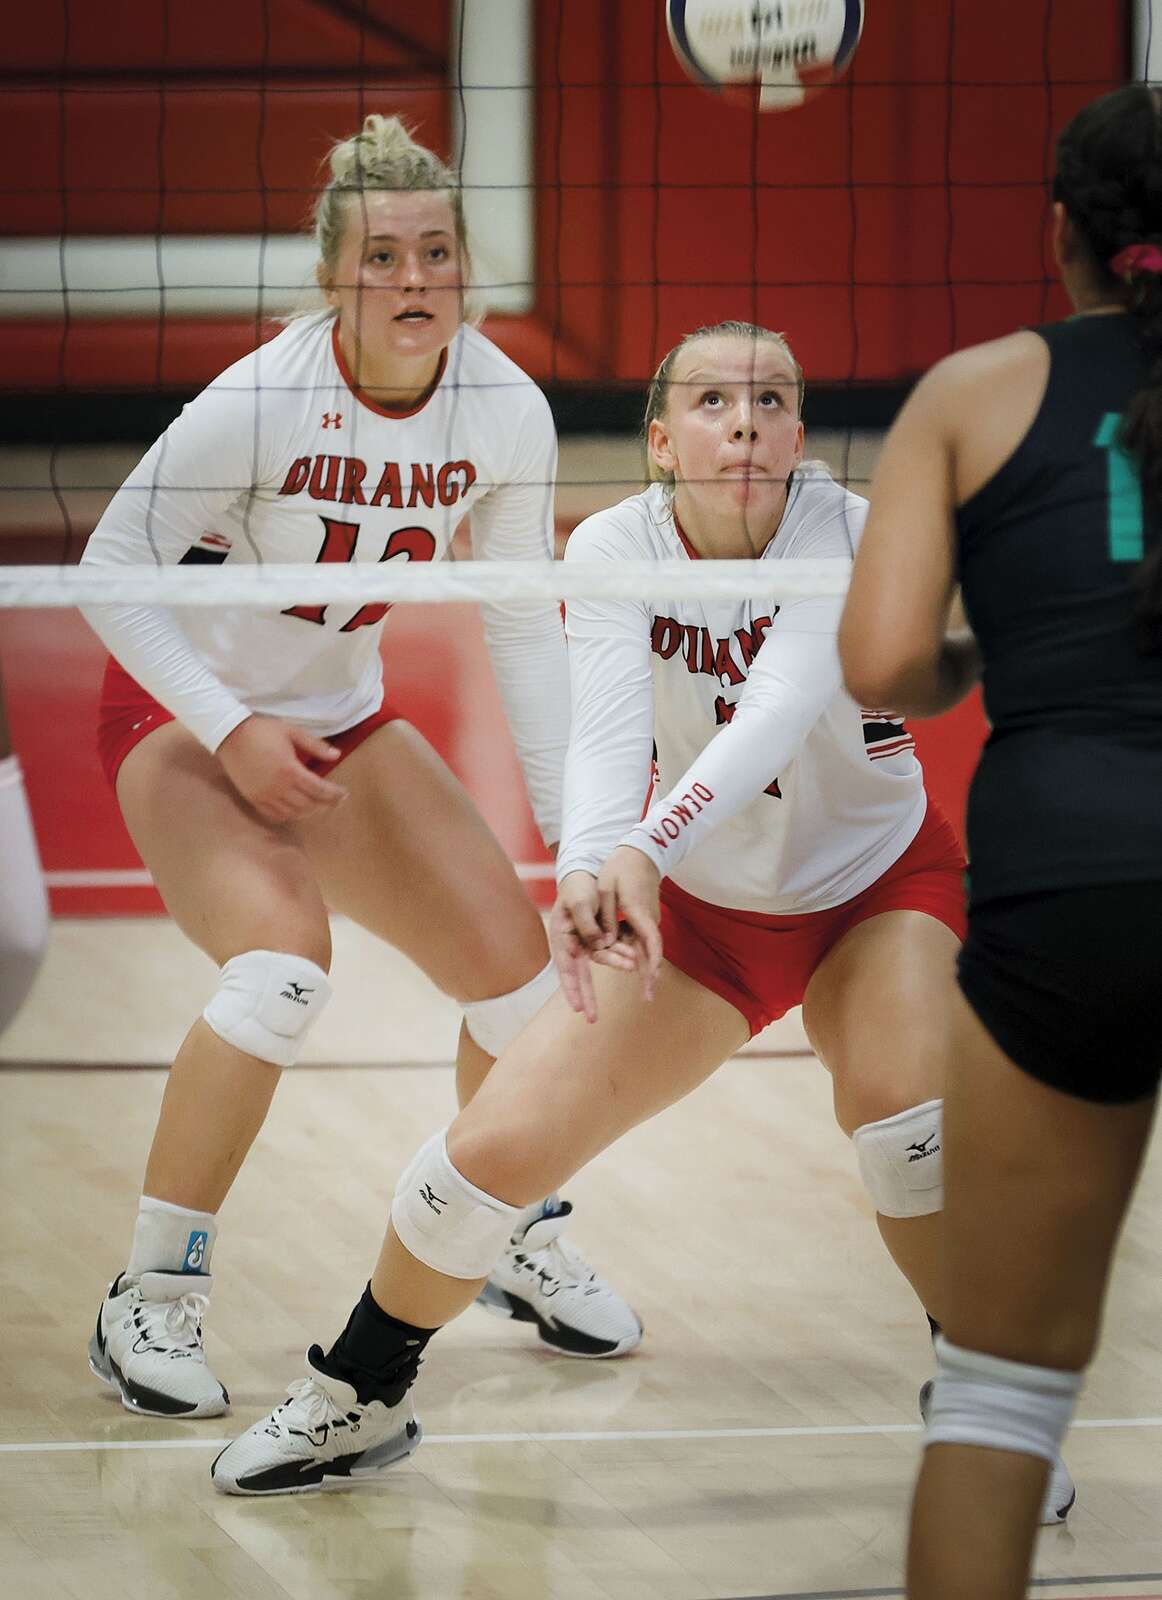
point(280, 459)
point(776, 792)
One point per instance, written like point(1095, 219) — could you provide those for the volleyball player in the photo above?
point(1031, 469)
point(23, 903)
point(802, 862)
point(260, 770)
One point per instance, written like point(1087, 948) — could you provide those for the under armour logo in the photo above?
point(924, 1148)
point(332, 419)
point(295, 992)
point(430, 1198)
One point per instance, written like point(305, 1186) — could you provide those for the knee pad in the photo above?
point(998, 1404)
point(494, 1024)
point(266, 1002)
point(901, 1162)
point(445, 1221)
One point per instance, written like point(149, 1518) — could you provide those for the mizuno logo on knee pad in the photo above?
point(445, 1221)
point(926, 1147)
point(901, 1162)
point(265, 1002)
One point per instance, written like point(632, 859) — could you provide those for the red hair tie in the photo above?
point(1136, 258)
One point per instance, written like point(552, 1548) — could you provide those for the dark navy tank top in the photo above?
point(1069, 787)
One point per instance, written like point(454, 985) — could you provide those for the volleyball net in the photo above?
point(155, 232)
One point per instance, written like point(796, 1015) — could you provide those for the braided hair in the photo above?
point(1109, 179)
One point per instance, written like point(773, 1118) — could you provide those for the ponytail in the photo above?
point(1142, 437)
point(1109, 179)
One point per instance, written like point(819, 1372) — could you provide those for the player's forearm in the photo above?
point(152, 648)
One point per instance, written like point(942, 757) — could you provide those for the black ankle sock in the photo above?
point(377, 1353)
point(934, 1325)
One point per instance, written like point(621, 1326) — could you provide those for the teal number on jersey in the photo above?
point(1125, 492)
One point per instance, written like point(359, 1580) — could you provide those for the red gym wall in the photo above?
point(136, 118)
point(880, 227)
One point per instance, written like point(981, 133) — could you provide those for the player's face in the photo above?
point(397, 283)
point(731, 432)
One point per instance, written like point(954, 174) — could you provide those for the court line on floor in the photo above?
point(627, 1436)
point(1035, 1583)
point(332, 1066)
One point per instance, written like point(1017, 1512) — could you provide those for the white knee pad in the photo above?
point(901, 1161)
point(265, 1003)
point(1001, 1405)
point(445, 1221)
point(494, 1024)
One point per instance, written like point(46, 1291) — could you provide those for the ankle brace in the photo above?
point(376, 1353)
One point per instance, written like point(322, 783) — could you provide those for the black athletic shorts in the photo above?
point(1069, 985)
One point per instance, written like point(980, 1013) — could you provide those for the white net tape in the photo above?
point(282, 586)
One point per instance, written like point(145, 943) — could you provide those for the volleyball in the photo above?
point(773, 53)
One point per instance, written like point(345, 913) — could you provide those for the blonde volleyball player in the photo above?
point(801, 859)
point(24, 916)
point(1029, 470)
point(262, 774)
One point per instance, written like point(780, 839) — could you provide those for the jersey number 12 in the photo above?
point(339, 538)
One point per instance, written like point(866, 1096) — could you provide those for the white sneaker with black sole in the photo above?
point(543, 1279)
point(321, 1434)
point(1060, 1491)
point(148, 1345)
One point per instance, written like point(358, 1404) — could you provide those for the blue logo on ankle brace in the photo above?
point(195, 1251)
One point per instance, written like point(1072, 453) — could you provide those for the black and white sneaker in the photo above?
point(148, 1345)
point(543, 1279)
point(1060, 1491)
point(322, 1433)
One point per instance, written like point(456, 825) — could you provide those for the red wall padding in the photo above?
point(893, 218)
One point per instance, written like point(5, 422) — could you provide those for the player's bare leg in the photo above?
point(410, 858)
point(558, 1096)
point(242, 891)
point(565, 1091)
point(1037, 1184)
point(876, 1014)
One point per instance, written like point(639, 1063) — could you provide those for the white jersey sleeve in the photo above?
point(204, 463)
point(794, 677)
point(608, 767)
point(526, 641)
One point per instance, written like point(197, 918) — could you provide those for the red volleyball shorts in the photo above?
point(762, 965)
point(128, 713)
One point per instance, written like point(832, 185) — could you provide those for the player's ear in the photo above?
point(660, 448)
point(799, 436)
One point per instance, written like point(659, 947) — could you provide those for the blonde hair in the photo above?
point(382, 155)
point(660, 384)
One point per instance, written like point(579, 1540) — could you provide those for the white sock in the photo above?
point(548, 1207)
point(169, 1238)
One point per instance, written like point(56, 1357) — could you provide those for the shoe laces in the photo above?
point(308, 1407)
point(173, 1323)
point(558, 1261)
